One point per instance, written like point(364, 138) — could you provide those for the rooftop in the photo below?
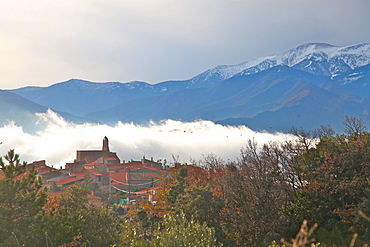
point(93, 172)
point(79, 174)
point(118, 176)
point(68, 180)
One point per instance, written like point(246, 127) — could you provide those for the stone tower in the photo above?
point(105, 144)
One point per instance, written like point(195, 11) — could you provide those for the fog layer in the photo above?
point(58, 141)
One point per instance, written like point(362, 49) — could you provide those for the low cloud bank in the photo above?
point(58, 141)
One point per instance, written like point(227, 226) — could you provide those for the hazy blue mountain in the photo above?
point(309, 108)
point(255, 100)
point(356, 81)
point(319, 83)
point(246, 95)
point(20, 111)
point(80, 97)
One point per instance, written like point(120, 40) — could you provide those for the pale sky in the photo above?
point(43, 42)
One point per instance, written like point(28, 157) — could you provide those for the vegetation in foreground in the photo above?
point(319, 177)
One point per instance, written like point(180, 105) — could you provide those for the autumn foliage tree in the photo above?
point(266, 194)
point(255, 193)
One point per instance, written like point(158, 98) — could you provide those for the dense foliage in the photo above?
point(21, 203)
point(263, 196)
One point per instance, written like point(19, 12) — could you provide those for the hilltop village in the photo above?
point(100, 200)
point(106, 172)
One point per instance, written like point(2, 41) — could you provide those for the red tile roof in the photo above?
point(49, 184)
point(152, 168)
point(118, 176)
point(110, 158)
point(43, 172)
point(147, 191)
point(138, 165)
point(79, 174)
point(41, 167)
point(93, 172)
point(73, 185)
point(68, 180)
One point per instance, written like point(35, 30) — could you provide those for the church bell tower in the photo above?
point(105, 144)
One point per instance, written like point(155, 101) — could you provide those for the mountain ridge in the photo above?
point(22, 112)
point(250, 90)
point(291, 58)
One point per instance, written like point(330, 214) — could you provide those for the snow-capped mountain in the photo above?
point(315, 58)
point(318, 82)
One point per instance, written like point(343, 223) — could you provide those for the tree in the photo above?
point(131, 236)
point(256, 194)
point(177, 187)
point(354, 126)
point(177, 230)
point(72, 215)
point(336, 173)
point(21, 203)
point(64, 219)
point(304, 138)
point(200, 204)
point(362, 221)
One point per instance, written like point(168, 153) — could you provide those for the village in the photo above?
point(138, 180)
point(99, 198)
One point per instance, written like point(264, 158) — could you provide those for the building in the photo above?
point(105, 169)
point(96, 154)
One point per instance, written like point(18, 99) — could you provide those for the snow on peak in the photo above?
point(355, 56)
point(223, 72)
point(321, 58)
point(302, 52)
point(73, 84)
point(137, 85)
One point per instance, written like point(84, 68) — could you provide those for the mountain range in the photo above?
point(311, 85)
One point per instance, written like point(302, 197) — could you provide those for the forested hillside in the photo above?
point(264, 196)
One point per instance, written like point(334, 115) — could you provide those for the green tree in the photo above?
point(132, 236)
point(65, 219)
point(362, 222)
point(73, 215)
point(21, 203)
point(336, 173)
point(176, 230)
point(101, 226)
point(202, 205)
point(178, 186)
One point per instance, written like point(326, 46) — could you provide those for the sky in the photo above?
point(186, 142)
point(43, 42)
